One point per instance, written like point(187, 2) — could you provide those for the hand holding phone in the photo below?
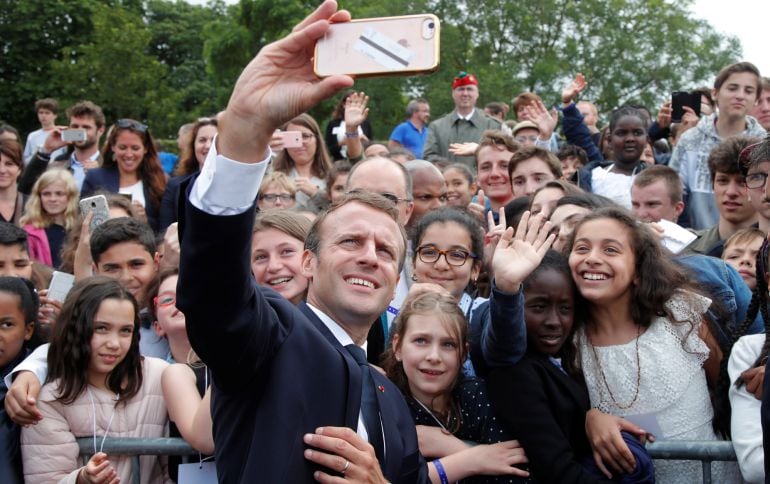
point(291, 139)
point(379, 47)
point(61, 283)
point(98, 206)
point(680, 99)
point(73, 135)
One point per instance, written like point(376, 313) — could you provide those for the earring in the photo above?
point(414, 278)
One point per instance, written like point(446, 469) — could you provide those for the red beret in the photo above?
point(464, 79)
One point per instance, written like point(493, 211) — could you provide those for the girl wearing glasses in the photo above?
point(307, 165)
point(186, 381)
point(98, 386)
point(277, 191)
point(448, 249)
point(131, 167)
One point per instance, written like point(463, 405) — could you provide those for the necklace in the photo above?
point(604, 378)
point(441, 424)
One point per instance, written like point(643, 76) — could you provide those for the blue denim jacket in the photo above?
point(722, 283)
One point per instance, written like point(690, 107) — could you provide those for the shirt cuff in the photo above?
point(225, 186)
point(36, 362)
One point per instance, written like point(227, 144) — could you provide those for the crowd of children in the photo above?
point(551, 317)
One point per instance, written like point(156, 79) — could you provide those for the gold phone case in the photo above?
point(379, 47)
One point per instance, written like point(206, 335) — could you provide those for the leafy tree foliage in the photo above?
point(168, 62)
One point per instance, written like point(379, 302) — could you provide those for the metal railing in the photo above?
point(134, 448)
point(705, 451)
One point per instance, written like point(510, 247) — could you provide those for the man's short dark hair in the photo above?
point(724, 157)
point(48, 103)
point(11, 235)
point(373, 200)
point(496, 108)
point(574, 151)
point(87, 108)
point(118, 230)
point(528, 152)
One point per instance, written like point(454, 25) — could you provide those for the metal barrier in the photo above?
point(704, 451)
point(136, 447)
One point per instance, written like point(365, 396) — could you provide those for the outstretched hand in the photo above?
point(356, 111)
point(574, 88)
point(277, 85)
point(545, 121)
point(516, 256)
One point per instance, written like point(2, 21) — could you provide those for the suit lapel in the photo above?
point(353, 406)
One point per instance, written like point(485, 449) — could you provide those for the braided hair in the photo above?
point(758, 305)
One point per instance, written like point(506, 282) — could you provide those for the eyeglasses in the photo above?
point(453, 257)
point(131, 124)
point(273, 197)
point(523, 139)
point(307, 136)
point(165, 300)
point(756, 180)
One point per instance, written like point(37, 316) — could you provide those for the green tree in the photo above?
point(177, 42)
point(33, 34)
point(629, 50)
point(233, 41)
point(114, 70)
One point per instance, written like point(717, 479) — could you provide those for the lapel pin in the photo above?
point(381, 388)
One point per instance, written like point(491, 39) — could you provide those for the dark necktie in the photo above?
point(369, 408)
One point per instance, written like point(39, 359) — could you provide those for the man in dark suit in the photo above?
point(287, 386)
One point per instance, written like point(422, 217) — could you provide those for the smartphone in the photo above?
point(679, 99)
point(291, 139)
point(98, 205)
point(377, 47)
point(72, 135)
point(60, 286)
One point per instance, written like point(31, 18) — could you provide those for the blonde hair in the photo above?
point(743, 236)
point(33, 210)
point(279, 178)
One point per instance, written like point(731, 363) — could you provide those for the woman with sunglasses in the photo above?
point(131, 167)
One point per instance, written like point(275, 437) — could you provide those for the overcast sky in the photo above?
point(746, 19)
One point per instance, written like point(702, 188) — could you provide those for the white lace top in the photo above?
point(615, 186)
point(672, 382)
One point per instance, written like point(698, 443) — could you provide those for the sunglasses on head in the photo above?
point(131, 124)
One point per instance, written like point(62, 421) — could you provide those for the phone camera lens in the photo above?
point(431, 25)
